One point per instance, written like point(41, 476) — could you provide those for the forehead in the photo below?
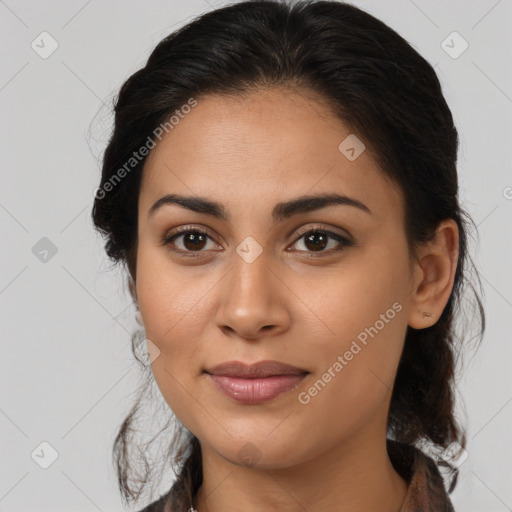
point(260, 147)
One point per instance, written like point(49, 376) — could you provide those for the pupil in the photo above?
point(199, 238)
point(317, 236)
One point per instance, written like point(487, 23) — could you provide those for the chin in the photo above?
point(260, 452)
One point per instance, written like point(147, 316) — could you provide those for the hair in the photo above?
point(387, 93)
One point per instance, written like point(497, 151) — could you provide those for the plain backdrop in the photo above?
point(66, 371)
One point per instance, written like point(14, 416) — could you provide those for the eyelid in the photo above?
point(185, 229)
point(318, 227)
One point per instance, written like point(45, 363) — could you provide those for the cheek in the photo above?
point(171, 299)
point(345, 302)
point(176, 306)
point(354, 380)
point(363, 314)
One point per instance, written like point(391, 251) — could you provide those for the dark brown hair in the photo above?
point(388, 94)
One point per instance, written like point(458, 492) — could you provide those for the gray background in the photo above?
point(66, 371)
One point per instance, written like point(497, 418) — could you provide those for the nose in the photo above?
point(253, 300)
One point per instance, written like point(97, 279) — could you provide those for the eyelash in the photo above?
point(345, 242)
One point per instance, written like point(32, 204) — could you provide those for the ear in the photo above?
point(434, 274)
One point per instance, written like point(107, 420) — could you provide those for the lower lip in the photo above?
point(255, 391)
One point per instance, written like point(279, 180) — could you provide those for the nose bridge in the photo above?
point(250, 279)
point(251, 297)
point(250, 287)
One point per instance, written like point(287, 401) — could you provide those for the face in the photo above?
point(323, 287)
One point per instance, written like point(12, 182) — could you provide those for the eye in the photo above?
point(193, 241)
point(316, 240)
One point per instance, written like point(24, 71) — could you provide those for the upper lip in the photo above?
point(255, 370)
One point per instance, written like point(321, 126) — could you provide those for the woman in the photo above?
point(281, 184)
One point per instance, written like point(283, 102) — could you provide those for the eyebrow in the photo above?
point(281, 210)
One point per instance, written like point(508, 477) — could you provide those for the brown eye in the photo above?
point(192, 241)
point(316, 240)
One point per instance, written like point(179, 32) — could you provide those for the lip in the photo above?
point(267, 368)
point(255, 383)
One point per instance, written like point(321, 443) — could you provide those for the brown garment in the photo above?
point(426, 491)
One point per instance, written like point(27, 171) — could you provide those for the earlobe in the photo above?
point(421, 319)
point(436, 267)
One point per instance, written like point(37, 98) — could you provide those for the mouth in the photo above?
point(255, 383)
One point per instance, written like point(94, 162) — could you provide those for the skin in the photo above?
point(249, 154)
